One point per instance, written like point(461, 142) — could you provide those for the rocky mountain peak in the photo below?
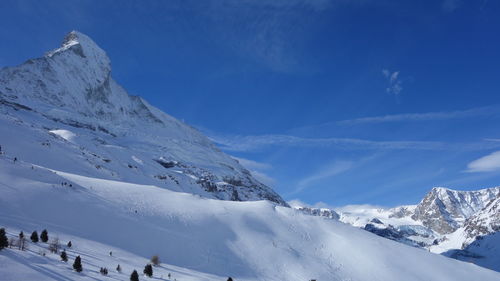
point(82, 48)
point(444, 210)
point(70, 92)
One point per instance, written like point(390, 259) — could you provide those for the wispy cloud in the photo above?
point(252, 165)
point(488, 163)
point(395, 84)
point(329, 171)
point(261, 30)
point(253, 143)
point(260, 142)
point(257, 170)
point(428, 116)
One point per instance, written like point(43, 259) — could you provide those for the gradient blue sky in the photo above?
point(341, 102)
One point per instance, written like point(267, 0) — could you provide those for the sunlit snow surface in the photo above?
point(87, 170)
point(197, 238)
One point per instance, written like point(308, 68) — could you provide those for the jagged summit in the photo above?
point(443, 209)
point(82, 48)
point(70, 92)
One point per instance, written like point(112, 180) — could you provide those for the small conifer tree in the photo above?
point(134, 276)
point(119, 269)
point(148, 270)
point(4, 242)
point(64, 256)
point(69, 244)
point(229, 279)
point(34, 237)
point(77, 265)
point(44, 236)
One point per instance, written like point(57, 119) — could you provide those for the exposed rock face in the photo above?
point(485, 222)
point(444, 210)
point(120, 136)
point(320, 212)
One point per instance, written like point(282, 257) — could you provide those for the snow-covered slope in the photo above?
point(197, 238)
point(459, 224)
point(69, 114)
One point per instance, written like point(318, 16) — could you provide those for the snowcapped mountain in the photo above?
point(67, 102)
point(460, 224)
point(124, 181)
point(484, 222)
point(444, 210)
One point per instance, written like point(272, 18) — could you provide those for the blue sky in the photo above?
point(341, 102)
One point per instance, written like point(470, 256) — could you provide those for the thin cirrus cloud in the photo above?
point(257, 169)
point(488, 163)
point(238, 143)
point(428, 116)
point(331, 170)
point(255, 143)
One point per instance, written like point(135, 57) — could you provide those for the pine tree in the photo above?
point(69, 244)
point(64, 256)
point(148, 270)
point(134, 276)
point(34, 237)
point(77, 265)
point(4, 242)
point(229, 279)
point(21, 235)
point(119, 269)
point(44, 236)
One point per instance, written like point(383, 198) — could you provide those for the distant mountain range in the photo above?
point(455, 223)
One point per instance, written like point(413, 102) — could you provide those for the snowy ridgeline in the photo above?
point(461, 224)
point(196, 238)
point(65, 111)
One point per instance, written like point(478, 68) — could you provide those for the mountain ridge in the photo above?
point(446, 221)
point(72, 88)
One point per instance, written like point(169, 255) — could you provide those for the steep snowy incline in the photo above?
point(70, 91)
point(245, 240)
